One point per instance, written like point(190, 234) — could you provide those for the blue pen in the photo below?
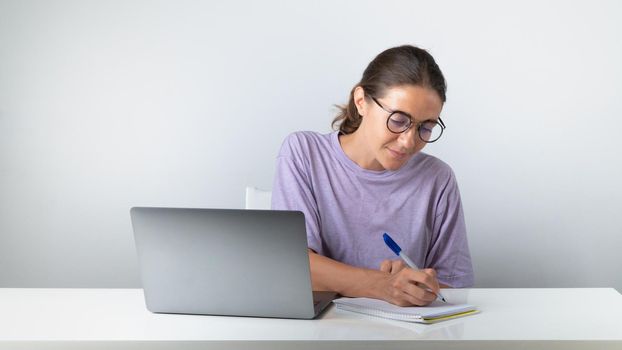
point(398, 251)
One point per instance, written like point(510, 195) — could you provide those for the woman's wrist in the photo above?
point(374, 284)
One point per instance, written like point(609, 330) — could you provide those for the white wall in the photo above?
point(109, 104)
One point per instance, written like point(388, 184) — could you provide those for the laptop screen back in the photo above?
point(224, 261)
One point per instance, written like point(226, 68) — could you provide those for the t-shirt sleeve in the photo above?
point(292, 189)
point(449, 254)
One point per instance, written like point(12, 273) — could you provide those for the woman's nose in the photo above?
point(408, 138)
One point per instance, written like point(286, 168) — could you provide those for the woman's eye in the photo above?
point(399, 120)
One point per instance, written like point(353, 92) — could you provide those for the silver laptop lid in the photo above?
point(224, 261)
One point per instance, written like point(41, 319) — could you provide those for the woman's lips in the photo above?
point(396, 154)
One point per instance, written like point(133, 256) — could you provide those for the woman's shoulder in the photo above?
point(433, 166)
point(305, 142)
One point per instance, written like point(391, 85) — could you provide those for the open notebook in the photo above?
point(435, 312)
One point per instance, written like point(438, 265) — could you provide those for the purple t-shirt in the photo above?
point(348, 208)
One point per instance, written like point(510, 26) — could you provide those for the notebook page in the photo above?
point(434, 310)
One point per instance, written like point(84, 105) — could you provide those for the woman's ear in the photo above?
point(359, 100)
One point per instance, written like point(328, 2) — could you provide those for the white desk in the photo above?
point(117, 318)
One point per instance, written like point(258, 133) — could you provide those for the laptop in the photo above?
point(226, 262)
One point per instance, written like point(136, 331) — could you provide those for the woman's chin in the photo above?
point(393, 164)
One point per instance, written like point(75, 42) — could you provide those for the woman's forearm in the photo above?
point(347, 280)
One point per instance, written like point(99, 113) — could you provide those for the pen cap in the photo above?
point(394, 247)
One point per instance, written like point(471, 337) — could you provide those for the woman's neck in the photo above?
point(355, 148)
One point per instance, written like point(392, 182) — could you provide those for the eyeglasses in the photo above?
point(398, 122)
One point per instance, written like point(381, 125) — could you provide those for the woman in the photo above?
point(369, 177)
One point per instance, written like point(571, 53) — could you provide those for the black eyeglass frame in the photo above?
point(410, 123)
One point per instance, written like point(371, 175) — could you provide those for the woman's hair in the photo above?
point(402, 65)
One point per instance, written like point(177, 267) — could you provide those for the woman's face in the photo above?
point(386, 150)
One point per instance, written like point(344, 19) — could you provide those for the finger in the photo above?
point(415, 300)
point(433, 281)
point(420, 292)
point(397, 266)
point(385, 266)
point(406, 281)
point(424, 279)
point(400, 298)
point(430, 272)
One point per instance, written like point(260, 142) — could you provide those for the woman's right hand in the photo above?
point(392, 266)
point(395, 282)
point(404, 286)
